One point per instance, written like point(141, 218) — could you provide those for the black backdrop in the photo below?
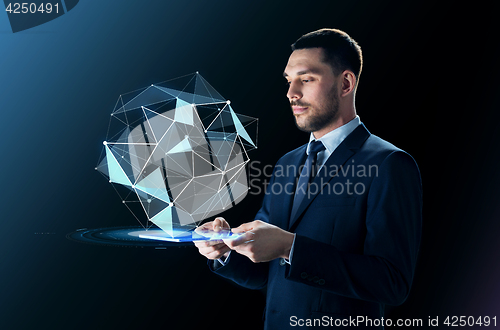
point(428, 86)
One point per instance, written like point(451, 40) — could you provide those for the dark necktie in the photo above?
point(307, 175)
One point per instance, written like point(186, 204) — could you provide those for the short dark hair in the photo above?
point(341, 51)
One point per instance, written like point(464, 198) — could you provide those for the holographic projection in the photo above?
point(180, 150)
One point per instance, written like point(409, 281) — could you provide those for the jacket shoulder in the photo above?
point(379, 150)
point(294, 154)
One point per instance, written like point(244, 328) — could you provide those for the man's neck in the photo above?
point(341, 121)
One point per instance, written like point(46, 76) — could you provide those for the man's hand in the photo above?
point(262, 241)
point(213, 249)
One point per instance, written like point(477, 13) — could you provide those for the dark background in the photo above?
point(428, 86)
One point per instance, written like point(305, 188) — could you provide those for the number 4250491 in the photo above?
point(25, 8)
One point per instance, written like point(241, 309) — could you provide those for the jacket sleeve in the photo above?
point(384, 272)
point(240, 269)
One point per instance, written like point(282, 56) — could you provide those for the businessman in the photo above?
point(338, 233)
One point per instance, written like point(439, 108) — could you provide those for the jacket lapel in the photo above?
point(287, 181)
point(337, 159)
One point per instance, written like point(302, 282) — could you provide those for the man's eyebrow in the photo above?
point(299, 73)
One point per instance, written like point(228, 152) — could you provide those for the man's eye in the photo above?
point(305, 80)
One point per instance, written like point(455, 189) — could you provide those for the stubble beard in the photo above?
point(321, 117)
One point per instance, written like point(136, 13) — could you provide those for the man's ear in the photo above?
point(348, 83)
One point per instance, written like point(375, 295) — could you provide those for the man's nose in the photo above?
point(294, 91)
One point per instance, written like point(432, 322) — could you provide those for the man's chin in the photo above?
point(302, 126)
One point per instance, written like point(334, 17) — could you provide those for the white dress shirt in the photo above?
point(332, 140)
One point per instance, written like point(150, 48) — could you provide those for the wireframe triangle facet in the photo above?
point(164, 221)
point(116, 173)
point(239, 127)
point(147, 97)
point(154, 185)
point(182, 146)
point(184, 112)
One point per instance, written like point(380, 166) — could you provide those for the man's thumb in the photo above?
point(243, 228)
point(219, 224)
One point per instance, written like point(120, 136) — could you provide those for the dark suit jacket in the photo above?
point(355, 249)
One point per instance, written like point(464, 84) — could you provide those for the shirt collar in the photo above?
point(333, 139)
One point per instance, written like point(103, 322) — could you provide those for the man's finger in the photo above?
point(243, 239)
point(217, 224)
point(204, 227)
point(209, 249)
point(220, 223)
point(202, 244)
point(218, 253)
point(244, 227)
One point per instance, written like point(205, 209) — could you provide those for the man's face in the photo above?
point(312, 90)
